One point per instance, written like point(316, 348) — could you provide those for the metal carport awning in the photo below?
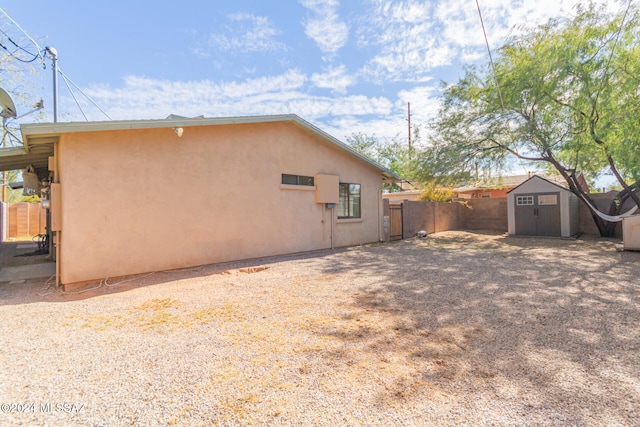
point(19, 158)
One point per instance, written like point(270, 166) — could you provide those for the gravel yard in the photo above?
point(455, 329)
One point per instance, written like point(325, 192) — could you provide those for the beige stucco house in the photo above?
point(130, 197)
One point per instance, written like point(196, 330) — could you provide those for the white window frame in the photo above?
point(524, 200)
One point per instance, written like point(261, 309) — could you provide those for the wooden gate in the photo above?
point(25, 220)
point(395, 222)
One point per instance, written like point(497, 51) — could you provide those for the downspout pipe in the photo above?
point(380, 239)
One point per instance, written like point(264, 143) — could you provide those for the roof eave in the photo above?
point(40, 133)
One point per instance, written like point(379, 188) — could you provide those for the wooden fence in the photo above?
point(482, 214)
point(23, 220)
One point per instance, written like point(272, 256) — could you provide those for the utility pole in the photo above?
point(54, 66)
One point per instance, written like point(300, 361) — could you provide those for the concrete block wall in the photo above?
point(416, 216)
point(485, 214)
point(431, 217)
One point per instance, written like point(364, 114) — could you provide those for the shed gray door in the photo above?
point(538, 214)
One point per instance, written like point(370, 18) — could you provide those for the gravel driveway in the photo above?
point(456, 329)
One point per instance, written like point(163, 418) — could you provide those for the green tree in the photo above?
point(20, 62)
point(564, 94)
point(392, 154)
point(433, 193)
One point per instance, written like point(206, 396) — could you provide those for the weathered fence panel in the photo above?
point(23, 220)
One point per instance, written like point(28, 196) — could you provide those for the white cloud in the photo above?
point(335, 79)
point(415, 37)
point(424, 102)
point(147, 98)
point(406, 38)
point(404, 43)
point(245, 33)
point(325, 27)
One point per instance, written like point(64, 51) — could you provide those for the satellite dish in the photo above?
point(7, 105)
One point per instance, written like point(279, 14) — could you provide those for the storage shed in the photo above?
point(539, 207)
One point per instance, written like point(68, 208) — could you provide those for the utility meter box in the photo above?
point(55, 207)
point(631, 232)
point(327, 188)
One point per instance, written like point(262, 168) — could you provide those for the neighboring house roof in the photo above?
point(38, 138)
point(402, 195)
point(505, 182)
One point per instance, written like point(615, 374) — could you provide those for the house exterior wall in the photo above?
point(136, 201)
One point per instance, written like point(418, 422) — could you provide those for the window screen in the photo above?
point(297, 180)
point(349, 201)
point(548, 199)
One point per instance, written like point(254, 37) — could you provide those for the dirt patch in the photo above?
point(458, 328)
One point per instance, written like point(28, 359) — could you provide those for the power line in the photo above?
point(13, 55)
point(23, 32)
point(486, 40)
point(33, 55)
point(42, 56)
point(66, 82)
point(495, 75)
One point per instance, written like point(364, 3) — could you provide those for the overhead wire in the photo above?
point(42, 57)
point(34, 55)
point(64, 78)
point(25, 33)
point(609, 218)
point(13, 55)
point(82, 92)
point(493, 67)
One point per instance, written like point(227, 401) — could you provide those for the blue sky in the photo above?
point(345, 66)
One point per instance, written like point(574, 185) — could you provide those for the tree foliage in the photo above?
point(20, 62)
point(392, 154)
point(434, 193)
point(564, 94)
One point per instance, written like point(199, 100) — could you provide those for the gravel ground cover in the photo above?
point(456, 329)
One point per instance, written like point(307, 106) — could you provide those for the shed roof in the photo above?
point(562, 187)
point(38, 138)
point(503, 182)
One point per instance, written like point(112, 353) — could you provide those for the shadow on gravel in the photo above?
point(37, 290)
point(547, 325)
